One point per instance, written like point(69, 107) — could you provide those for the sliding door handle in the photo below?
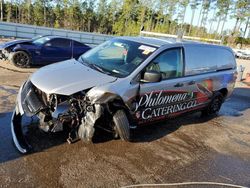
point(178, 85)
point(191, 82)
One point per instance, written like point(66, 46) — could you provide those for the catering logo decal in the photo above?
point(205, 90)
point(156, 104)
point(159, 104)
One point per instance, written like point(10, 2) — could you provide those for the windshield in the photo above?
point(41, 40)
point(117, 57)
point(37, 37)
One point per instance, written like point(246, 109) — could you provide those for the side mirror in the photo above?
point(151, 76)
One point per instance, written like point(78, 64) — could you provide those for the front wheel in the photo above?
point(121, 125)
point(215, 104)
point(21, 59)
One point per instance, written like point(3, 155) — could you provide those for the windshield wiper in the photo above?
point(85, 62)
point(94, 66)
point(100, 69)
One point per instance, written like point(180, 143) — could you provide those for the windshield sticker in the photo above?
point(146, 49)
point(146, 52)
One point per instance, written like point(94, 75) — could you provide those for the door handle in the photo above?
point(191, 82)
point(178, 85)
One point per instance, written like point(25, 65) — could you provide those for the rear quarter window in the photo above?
point(60, 43)
point(203, 59)
point(79, 44)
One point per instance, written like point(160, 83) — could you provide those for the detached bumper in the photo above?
point(16, 127)
point(17, 133)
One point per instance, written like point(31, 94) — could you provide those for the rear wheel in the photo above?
point(21, 59)
point(121, 125)
point(215, 104)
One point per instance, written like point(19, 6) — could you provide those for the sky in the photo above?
point(228, 25)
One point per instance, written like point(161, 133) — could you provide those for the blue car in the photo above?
point(46, 50)
point(7, 47)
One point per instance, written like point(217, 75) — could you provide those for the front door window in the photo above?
point(169, 63)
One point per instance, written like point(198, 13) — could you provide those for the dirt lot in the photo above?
point(185, 149)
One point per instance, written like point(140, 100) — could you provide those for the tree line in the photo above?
point(126, 17)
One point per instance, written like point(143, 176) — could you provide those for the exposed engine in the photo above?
point(58, 112)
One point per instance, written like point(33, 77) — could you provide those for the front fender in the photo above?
point(24, 48)
point(108, 99)
point(18, 47)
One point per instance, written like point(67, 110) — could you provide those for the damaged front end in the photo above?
point(4, 54)
point(75, 113)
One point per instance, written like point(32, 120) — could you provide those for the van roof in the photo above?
point(158, 42)
point(155, 41)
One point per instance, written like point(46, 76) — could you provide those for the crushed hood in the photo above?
point(68, 77)
point(14, 42)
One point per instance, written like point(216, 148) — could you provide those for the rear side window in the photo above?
point(61, 43)
point(78, 44)
point(169, 63)
point(202, 59)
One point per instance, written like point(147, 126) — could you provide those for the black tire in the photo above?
point(21, 59)
point(215, 104)
point(121, 125)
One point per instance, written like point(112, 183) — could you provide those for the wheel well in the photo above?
point(21, 50)
point(223, 92)
point(117, 104)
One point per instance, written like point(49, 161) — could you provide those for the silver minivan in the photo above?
point(125, 83)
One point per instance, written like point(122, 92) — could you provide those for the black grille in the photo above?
point(32, 101)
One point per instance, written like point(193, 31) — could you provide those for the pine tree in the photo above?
point(1, 9)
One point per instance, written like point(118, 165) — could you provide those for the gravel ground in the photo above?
point(190, 148)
